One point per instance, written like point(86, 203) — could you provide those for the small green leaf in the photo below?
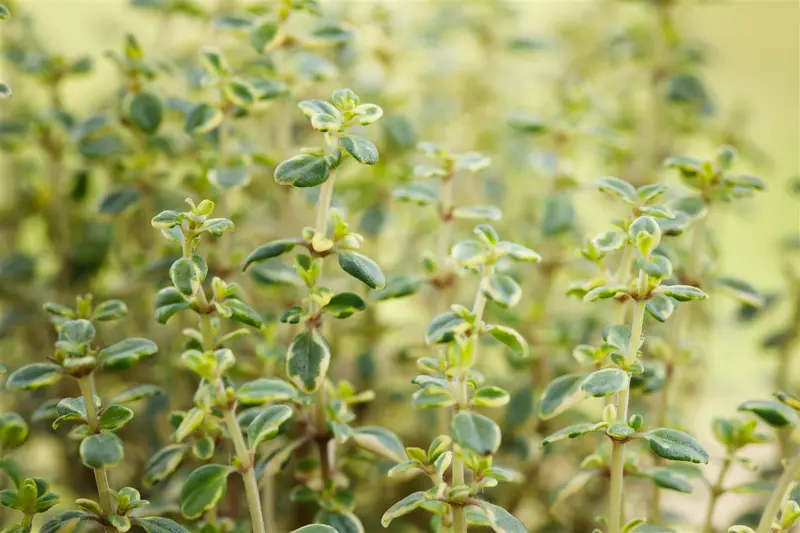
point(307, 360)
point(368, 113)
point(517, 252)
point(569, 432)
point(645, 233)
point(380, 441)
point(619, 188)
point(266, 425)
point(117, 200)
point(240, 92)
point(740, 290)
point(476, 432)
point(501, 521)
point(604, 382)
point(682, 293)
point(201, 119)
point(264, 390)
point(243, 313)
point(146, 112)
point(562, 393)
point(33, 376)
point(203, 448)
point(490, 397)
point(164, 463)
point(102, 450)
point(443, 327)
point(203, 489)
point(13, 431)
point(126, 353)
point(110, 310)
point(671, 479)
point(315, 528)
point(604, 292)
point(158, 524)
point(187, 275)
point(140, 392)
point(511, 338)
point(558, 215)
point(502, 290)
point(65, 521)
point(169, 301)
point(675, 445)
point(421, 194)
point(114, 417)
point(191, 422)
point(216, 226)
point(314, 107)
point(345, 304)
point(776, 414)
point(362, 268)
point(403, 507)
point(269, 250)
point(166, 219)
point(79, 331)
point(362, 149)
point(661, 307)
point(610, 241)
point(262, 33)
point(302, 171)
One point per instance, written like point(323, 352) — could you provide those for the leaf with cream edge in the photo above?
point(203, 489)
point(307, 360)
point(403, 507)
point(562, 393)
point(380, 441)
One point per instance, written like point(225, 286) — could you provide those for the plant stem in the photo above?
point(100, 474)
point(716, 491)
point(268, 503)
point(327, 451)
point(229, 414)
point(478, 307)
point(444, 238)
point(776, 499)
point(615, 512)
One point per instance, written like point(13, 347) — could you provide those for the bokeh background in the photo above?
point(455, 71)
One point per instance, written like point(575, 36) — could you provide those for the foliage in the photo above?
point(519, 368)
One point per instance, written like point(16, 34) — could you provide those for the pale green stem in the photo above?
point(268, 503)
point(616, 491)
point(778, 495)
point(478, 307)
point(444, 239)
point(321, 226)
point(229, 414)
point(100, 474)
point(717, 490)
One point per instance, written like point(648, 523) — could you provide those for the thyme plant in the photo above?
point(189, 394)
point(640, 278)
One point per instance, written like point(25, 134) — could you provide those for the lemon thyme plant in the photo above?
point(452, 380)
point(641, 277)
point(29, 496)
point(96, 422)
point(328, 406)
